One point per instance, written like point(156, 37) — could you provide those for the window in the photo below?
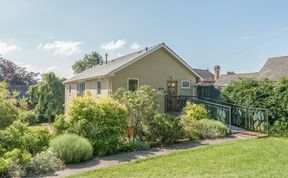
point(98, 87)
point(69, 88)
point(80, 88)
point(185, 84)
point(133, 84)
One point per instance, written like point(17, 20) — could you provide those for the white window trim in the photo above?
point(182, 81)
point(132, 79)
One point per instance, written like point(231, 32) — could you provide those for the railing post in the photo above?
point(230, 115)
point(267, 116)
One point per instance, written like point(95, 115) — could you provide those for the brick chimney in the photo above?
point(106, 58)
point(216, 72)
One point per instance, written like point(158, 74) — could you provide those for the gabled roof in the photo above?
point(113, 66)
point(275, 68)
point(205, 74)
point(228, 78)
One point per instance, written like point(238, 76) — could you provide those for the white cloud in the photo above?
point(42, 70)
point(135, 46)
point(51, 68)
point(246, 37)
point(113, 45)
point(62, 48)
point(6, 48)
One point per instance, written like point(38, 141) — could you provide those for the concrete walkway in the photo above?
point(109, 161)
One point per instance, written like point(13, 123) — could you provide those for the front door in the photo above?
point(172, 96)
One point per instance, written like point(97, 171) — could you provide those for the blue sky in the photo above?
point(238, 35)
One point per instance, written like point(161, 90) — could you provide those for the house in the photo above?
point(273, 69)
point(207, 78)
point(157, 66)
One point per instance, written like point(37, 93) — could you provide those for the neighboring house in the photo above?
point(157, 66)
point(207, 78)
point(273, 69)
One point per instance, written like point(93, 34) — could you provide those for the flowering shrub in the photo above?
point(44, 162)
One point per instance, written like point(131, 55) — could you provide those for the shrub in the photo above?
point(60, 125)
point(18, 135)
point(103, 122)
point(197, 125)
point(205, 128)
point(280, 127)
point(13, 161)
point(44, 162)
point(8, 111)
point(141, 104)
point(134, 145)
point(209, 128)
point(161, 129)
point(72, 148)
point(194, 111)
point(263, 94)
point(29, 117)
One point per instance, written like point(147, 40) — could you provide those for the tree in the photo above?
point(88, 61)
point(141, 104)
point(230, 72)
point(8, 111)
point(15, 75)
point(49, 95)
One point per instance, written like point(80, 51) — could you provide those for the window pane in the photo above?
point(133, 85)
point(185, 84)
point(80, 88)
point(98, 87)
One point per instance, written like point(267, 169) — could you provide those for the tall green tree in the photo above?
point(49, 95)
point(88, 61)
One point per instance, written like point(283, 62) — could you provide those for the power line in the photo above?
point(251, 46)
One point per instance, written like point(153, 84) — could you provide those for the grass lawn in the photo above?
point(266, 157)
point(41, 126)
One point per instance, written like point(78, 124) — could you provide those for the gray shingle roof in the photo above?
point(228, 78)
point(112, 66)
point(205, 74)
point(273, 69)
point(106, 68)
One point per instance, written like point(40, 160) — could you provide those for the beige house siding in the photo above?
point(155, 70)
point(91, 86)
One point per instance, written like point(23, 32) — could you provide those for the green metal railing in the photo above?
point(215, 111)
point(250, 118)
